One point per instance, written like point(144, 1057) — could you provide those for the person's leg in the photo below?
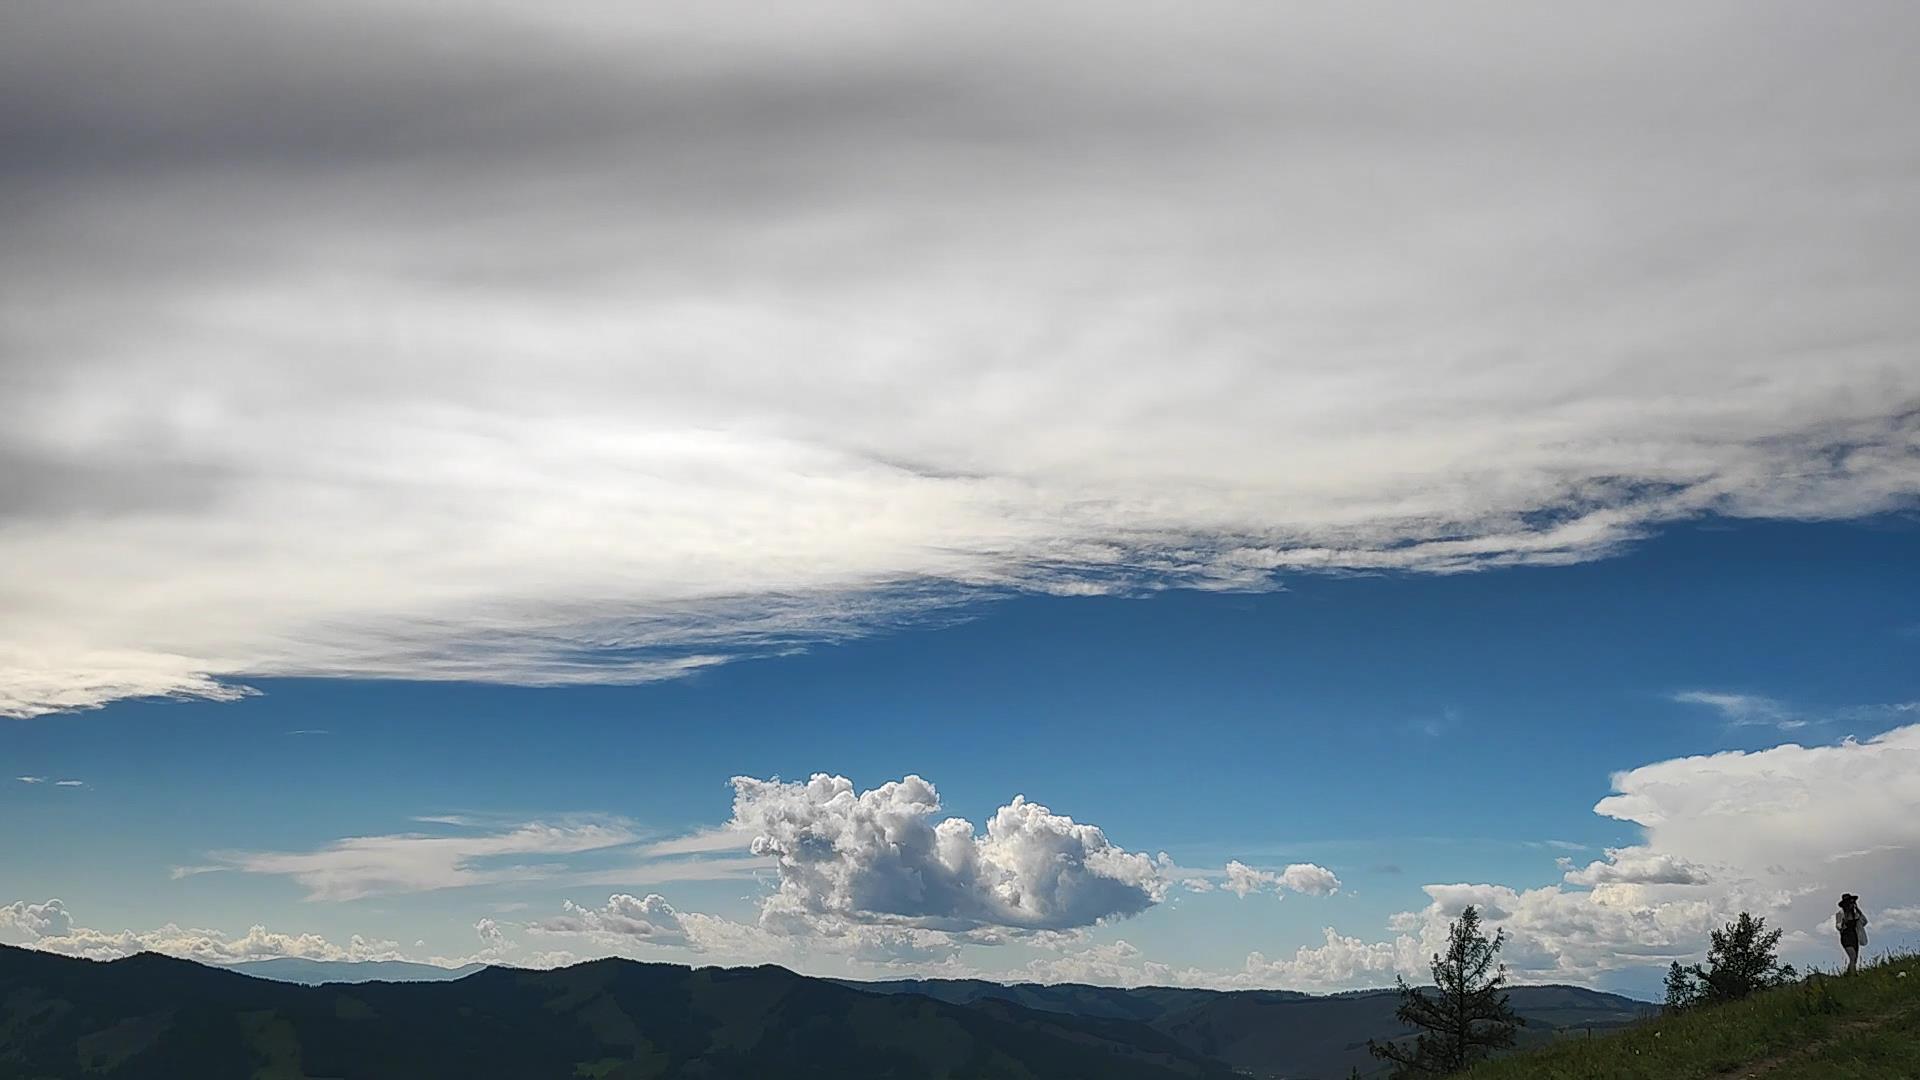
point(1853, 959)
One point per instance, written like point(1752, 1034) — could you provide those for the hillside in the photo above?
point(1857, 1027)
point(150, 1016)
point(1265, 1033)
point(314, 972)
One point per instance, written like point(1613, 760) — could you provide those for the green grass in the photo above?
point(1856, 1027)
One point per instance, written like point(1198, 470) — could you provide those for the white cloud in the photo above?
point(1243, 880)
point(727, 838)
point(650, 919)
point(1805, 822)
point(69, 783)
point(489, 933)
point(1635, 866)
point(1119, 963)
point(878, 857)
point(1338, 963)
point(839, 326)
point(49, 919)
point(1309, 879)
point(363, 866)
point(1744, 708)
point(1779, 832)
point(50, 927)
point(31, 779)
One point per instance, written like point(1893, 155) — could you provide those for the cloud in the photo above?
point(1119, 963)
point(1744, 708)
point(651, 920)
point(1807, 821)
point(69, 783)
point(362, 866)
point(489, 933)
point(628, 345)
point(1338, 963)
point(50, 927)
point(1630, 866)
point(1779, 832)
point(877, 857)
point(49, 919)
point(1309, 879)
point(1243, 880)
point(31, 779)
point(1758, 831)
point(706, 841)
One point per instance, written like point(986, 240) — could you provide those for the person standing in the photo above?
point(1852, 924)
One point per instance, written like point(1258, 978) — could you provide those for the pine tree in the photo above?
point(1741, 958)
point(1466, 1019)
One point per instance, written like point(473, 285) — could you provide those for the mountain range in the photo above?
point(150, 1016)
point(293, 969)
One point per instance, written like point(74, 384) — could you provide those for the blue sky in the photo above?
point(1397, 729)
point(1145, 494)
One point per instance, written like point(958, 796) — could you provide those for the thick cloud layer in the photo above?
point(878, 857)
point(591, 341)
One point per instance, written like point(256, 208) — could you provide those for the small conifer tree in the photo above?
point(1465, 1018)
point(1742, 957)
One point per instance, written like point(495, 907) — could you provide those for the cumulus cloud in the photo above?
point(489, 933)
point(1635, 866)
point(879, 857)
point(1779, 832)
point(48, 919)
point(1309, 879)
point(1805, 821)
point(631, 344)
point(651, 920)
point(1243, 880)
point(50, 927)
point(1119, 963)
point(1338, 962)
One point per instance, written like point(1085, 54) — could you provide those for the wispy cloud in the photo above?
point(363, 866)
point(871, 384)
point(725, 838)
point(1744, 708)
point(69, 783)
point(31, 779)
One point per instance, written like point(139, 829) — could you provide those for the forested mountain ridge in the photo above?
point(154, 1016)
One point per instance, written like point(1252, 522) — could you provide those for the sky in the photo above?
point(1151, 494)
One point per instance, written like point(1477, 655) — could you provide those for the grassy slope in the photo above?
point(1858, 1027)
